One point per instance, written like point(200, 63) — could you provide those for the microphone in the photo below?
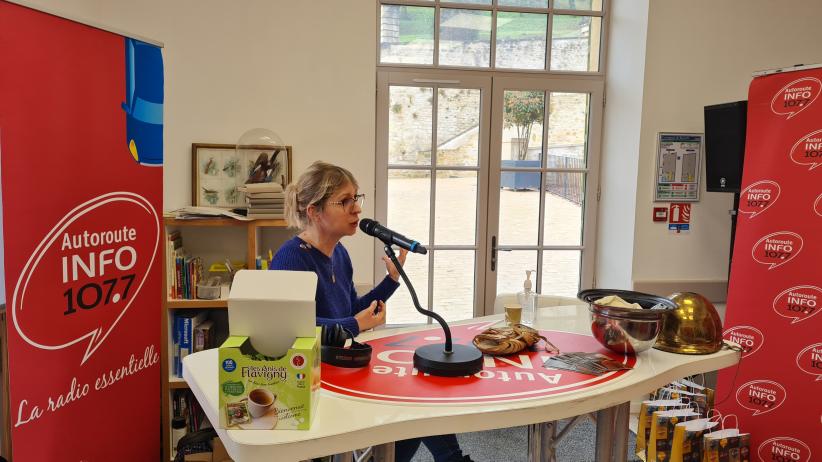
point(374, 228)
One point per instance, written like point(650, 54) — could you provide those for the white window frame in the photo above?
point(562, 81)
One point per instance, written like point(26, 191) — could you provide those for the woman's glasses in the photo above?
point(348, 203)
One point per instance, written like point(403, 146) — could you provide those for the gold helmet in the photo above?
point(692, 328)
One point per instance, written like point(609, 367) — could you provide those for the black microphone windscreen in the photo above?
point(367, 226)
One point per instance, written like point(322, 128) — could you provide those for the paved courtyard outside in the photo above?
point(455, 218)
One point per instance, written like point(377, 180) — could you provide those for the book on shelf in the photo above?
point(200, 212)
point(185, 405)
point(266, 216)
point(183, 271)
point(258, 210)
point(194, 331)
point(185, 323)
point(203, 336)
point(261, 188)
point(265, 196)
point(265, 202)
point(174, 244)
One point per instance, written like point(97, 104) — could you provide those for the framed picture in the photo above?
point(217, 170)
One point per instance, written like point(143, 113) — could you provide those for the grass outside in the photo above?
point(417, 24)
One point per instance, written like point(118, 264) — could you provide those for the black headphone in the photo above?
point(334, 352)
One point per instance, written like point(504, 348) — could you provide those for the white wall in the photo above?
point(305, 69)
point(625, 68)
point(699, 53)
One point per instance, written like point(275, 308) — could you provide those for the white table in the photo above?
point(343, 424)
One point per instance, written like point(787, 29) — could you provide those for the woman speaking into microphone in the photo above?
point(325, 205)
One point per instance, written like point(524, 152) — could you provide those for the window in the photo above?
point(481, 34)
point(489, 116)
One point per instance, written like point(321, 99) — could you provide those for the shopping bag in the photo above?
point(662, 432)
point(688, 438)
point(700, 389)
point(665, 392)
point(646, 409)
point(726, 445)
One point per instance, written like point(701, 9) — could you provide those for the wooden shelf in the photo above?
point(175, 383)
point(176, 304)
point(252, 237)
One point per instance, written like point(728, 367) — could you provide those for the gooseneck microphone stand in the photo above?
point(445, 360)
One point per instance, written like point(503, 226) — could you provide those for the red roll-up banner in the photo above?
point(776, 286)
point(81, 170)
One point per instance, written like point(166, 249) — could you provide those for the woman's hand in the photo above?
point(372, 316)
point(389, 265)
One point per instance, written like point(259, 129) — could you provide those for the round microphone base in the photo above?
point(463, 360)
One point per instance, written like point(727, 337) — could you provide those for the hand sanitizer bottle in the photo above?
point(528, 300)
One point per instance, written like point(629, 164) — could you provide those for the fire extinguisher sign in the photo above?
point(679, 218)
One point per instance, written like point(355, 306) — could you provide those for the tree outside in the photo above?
point(523, 109)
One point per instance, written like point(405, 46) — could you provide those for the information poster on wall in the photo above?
point(775, 286)
point(81, 153)
point(677, 167)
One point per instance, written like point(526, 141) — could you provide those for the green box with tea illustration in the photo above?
point(262, 393)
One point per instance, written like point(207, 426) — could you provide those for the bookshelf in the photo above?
point(213, 239)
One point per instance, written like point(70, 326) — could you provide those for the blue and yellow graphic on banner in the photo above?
point(144, 102)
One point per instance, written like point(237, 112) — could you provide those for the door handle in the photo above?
point(494, 251)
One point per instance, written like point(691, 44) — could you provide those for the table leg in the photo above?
point(384, 452)
point(612, 433)
point(542, 442)
point(343, 457)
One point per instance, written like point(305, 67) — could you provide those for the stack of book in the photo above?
point(185, 405)
point(264, 200)
point(183, 271)
point(195, 331)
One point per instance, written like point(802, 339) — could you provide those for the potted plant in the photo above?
point(521, 111)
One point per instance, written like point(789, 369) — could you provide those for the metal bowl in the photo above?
point(626, 330)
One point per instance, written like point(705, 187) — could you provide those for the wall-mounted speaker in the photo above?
point(725, 145)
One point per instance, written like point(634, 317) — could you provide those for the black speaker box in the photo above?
point(725, 145)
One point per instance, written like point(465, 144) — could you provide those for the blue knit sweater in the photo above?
point(337, 301)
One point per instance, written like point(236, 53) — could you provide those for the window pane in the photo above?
point(407, 34)
point(519, 209)
point(511, 268)
point(521, 40)
point(454, 284)
point(400, 307)
point(409, 125)
point(567, 130)
point(575, 43)
point(526, 3)
point(458, 117)
point(523, 115)
point(560, 272)
point(594, 5)
point(455, 208)
point(474, 2)
point(564, 199)
point(465, 38)
point(409, 187)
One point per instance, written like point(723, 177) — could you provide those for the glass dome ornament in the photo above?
point(264, 155)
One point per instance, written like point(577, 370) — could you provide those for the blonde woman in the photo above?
point(325, 205)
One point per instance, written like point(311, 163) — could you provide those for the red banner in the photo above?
point(774, 292)
point(81, 171)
